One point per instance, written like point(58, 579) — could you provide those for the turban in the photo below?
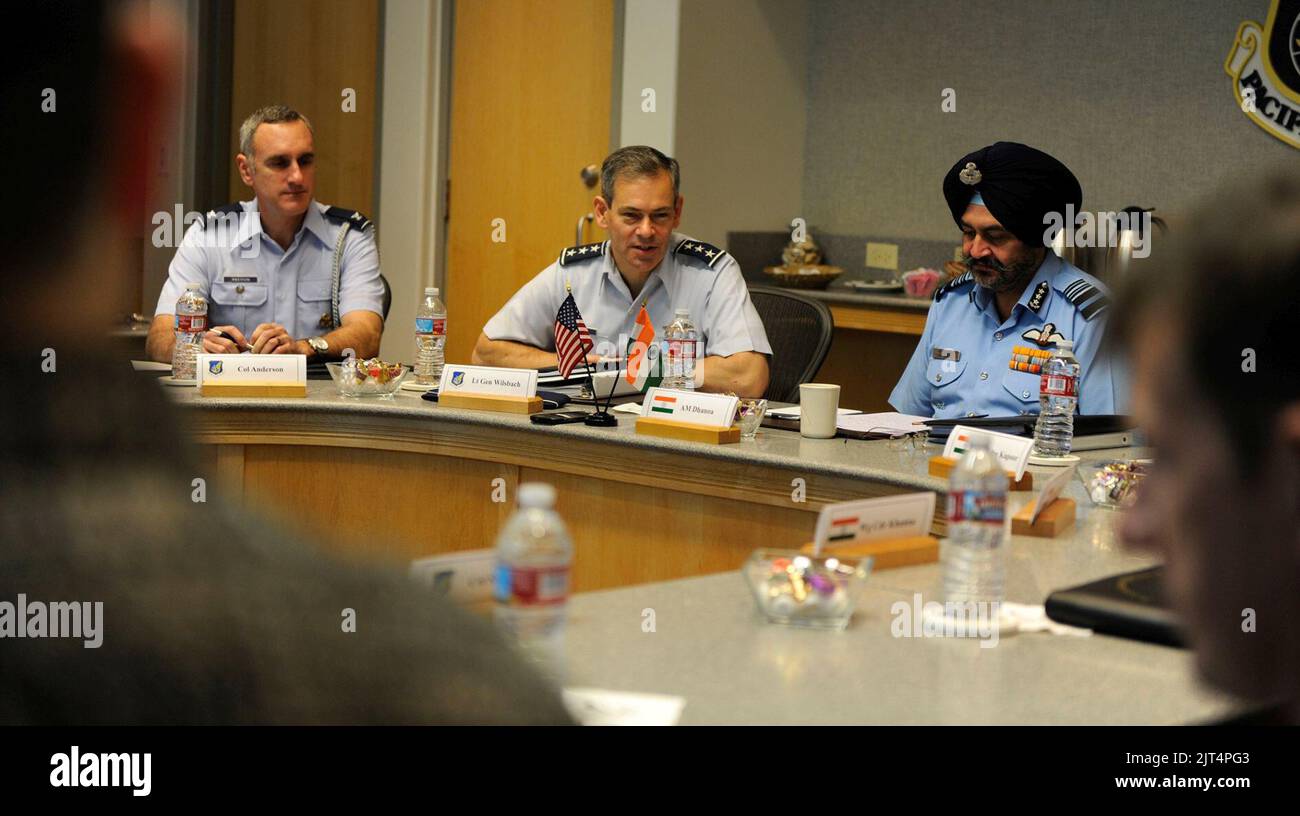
point(1018, 184)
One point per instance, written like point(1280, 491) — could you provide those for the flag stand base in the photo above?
point(601, 419)
point(942, 466)
point(687, 431)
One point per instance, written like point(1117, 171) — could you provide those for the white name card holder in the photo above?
point(252, 375)
point(1048, 515)
point(481, 388)
point(689, 416)
point(1012, 451)
point(893, 531)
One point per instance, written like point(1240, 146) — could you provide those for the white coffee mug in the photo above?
point(818, 409)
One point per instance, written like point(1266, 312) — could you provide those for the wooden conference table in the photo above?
point(664, 525)
point(407, 478)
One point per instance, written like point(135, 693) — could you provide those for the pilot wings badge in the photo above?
point(1265, 68)
point(1044, 337)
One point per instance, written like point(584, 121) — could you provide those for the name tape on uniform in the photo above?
point(1012, 451)
point(506, 382)
point(714, 410)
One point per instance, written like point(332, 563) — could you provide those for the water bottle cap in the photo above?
point(430, 291)
point(536, 494)
point(683, 313)
point(197, 286)
point(1065, 344)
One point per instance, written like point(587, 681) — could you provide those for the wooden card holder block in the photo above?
point(1055, 519)
point(492, 402)
point(687, 431)
point(253, 390)
point(942, 466)
point(887, 552)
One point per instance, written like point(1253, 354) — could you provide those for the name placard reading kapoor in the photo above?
point(513, 390)
point(252, 375)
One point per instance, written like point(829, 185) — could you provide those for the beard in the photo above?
point(1005, 278)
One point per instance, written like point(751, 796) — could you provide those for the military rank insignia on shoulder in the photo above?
point(1088, 299)
point(229, 213)
point(955, 283)
point(698, 249)
point(342, 215)
point(581, 252)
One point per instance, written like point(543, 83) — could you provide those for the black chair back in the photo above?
point(799, 328)
point(388, 295)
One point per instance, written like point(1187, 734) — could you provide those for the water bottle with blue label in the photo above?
point(430, 337)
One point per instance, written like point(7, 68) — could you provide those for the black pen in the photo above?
point(220, 333)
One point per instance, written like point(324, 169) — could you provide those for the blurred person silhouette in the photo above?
point(209, 616)
point(1217, 390)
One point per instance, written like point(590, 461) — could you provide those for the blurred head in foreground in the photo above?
point(1212, 336)
point(209, 614)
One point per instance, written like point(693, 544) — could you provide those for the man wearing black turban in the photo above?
point(989, 329)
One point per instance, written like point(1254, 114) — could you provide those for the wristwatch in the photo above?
point(319, 345)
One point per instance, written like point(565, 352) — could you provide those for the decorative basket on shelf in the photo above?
point(803, 276)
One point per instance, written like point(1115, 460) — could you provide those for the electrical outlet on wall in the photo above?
point(882, 256)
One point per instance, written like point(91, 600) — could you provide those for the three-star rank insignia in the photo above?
point(1045, 336)
point(1036, 301)
point(698, 249)
point(582, 252)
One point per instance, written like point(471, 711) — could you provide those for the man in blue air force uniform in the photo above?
point(268, 267)
point(644, 262)
point(1016, 294)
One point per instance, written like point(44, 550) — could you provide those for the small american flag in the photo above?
point(572, 342)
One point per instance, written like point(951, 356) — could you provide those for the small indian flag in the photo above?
point(644, 366)
point(843, 528)
point(960, 445)
point(663, 404)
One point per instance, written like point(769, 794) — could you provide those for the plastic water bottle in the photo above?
point(1058, 395)
point(682, 341)
point(973, 565)
point(191, 323)
point(531, 587)
point(430, 337)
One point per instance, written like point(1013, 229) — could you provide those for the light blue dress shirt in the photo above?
point(693, 275)
point(249, 280)
point(961, 365)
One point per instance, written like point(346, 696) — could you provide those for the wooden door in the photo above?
point(530, 107)
point(306, 54)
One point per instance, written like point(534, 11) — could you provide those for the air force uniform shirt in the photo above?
point(693, 275)
point(249, 280)
point(964, 366)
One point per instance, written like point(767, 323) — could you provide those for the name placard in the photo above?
point(713, 410)
point(873, 519)
point(507, 382)
point(252, 370)
point(1012, 451)
point(1051, 492)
